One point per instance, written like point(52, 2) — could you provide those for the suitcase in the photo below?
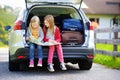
point(71, 37)
point(72, 24)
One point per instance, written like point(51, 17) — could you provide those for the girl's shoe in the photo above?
point(50, 68)
point(39, 63)
point(62, 66)
point(31, 63)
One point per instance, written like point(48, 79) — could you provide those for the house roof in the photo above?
point(102, 6)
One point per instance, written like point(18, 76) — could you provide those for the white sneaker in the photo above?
point(50, 68)
point(62, 66)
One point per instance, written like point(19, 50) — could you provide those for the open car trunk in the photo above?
point(71, 36)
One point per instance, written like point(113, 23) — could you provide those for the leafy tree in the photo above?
point(6, 18)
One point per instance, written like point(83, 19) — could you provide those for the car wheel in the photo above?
point(13, 66)
point(85, 65)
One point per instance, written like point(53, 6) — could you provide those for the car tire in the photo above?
point(85, 65)
point(13, 66)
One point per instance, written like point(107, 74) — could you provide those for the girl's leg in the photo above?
point(40, 52)
point(50, 58)
point(32, 48)
point(60, 56)
point(40, 55)
point(60, 53)
point(50, 54)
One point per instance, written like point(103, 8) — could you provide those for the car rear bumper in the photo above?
point(70, 54)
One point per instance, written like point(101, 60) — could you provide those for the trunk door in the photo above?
point(33, 2)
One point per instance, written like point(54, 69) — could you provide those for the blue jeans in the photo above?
point(32, 50)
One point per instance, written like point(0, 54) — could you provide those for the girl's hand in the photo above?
point(27, 38)
point(53, 41)
point(50, 40)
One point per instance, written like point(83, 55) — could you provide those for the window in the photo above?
point(94, 19)
point(94, 22)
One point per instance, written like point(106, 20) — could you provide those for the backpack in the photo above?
point(72, 24)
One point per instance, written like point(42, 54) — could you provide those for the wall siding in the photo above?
point(104, 21)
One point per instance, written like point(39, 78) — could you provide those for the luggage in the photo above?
point(72, 37)
point(72, 24)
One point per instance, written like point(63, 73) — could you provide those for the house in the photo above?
point(105, 12)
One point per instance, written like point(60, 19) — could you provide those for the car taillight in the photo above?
point(91, 27)
point(90, 56)
point(21, 57)
point(18, 25)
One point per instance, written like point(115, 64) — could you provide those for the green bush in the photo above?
point(5, 19)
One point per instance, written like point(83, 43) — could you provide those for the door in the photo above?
point(32, 2)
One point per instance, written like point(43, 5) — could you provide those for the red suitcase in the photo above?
point(72, 37)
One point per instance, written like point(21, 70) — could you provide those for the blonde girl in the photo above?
point(36, 32)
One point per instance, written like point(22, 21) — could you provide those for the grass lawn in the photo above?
point(108, 47)
point(108, 61)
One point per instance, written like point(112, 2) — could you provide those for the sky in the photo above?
point(13, 3)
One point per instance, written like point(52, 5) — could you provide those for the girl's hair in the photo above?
point(50, 20)
point(34, 19)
